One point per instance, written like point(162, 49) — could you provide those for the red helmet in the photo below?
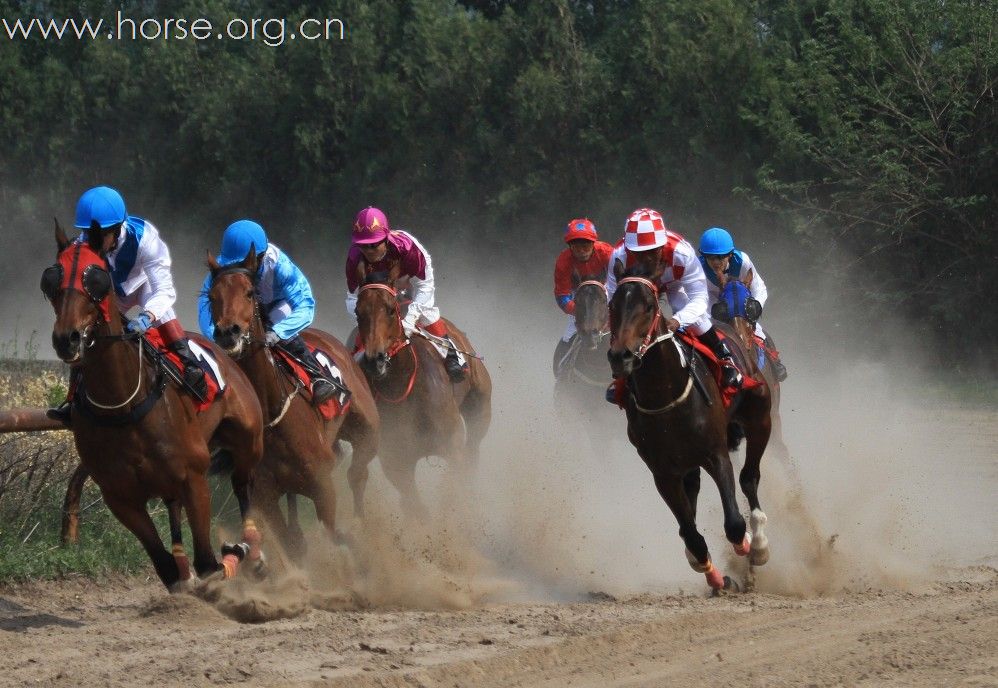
point(580, 228)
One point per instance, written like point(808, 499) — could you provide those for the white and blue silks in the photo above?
point(283, 291)
point(140, 270)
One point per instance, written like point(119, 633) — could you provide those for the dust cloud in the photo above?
point(883, 487)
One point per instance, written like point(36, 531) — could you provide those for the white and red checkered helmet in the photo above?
point(645, 230)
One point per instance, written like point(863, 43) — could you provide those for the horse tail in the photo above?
point(736, 433)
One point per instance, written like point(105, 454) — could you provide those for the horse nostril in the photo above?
point(74, 338)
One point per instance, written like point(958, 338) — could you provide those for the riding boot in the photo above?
point(456, 371)
point(730, 375)
point(322, 388)
point(63, 412)
point(779, 370)
point(193, 374)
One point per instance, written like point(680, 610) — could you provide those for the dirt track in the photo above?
point(907, 596)
point(70, 634)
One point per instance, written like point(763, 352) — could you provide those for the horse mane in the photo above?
point(380, 277)
point(637, 271)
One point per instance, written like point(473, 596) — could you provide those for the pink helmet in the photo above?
point(645, 230)
point(370, 226)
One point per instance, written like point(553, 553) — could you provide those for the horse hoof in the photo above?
point(730, 585)
point(745, 547)
point(758, 557)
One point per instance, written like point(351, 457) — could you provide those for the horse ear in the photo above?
point(251, 262)
point(393, 273)
point(747, 280)
point(60, 236)
point(361, 273)
point(212, 263)
point(618, 269)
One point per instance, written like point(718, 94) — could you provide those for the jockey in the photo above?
point(140, 272)
point(585, 258)
point(377, 247)
point(672, 262)
point(719, 255)
point(284, 294)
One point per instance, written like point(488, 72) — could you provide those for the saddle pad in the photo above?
point(334, 407)
point(206, 361)
point(727, 393)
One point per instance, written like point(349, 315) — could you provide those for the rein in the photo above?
point(397, 345)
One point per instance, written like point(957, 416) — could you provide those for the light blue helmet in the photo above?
point(716, 242)
point(102, 205)
point(238, 238)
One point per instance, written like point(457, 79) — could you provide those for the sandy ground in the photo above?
point(562, 566)
point(433, 610)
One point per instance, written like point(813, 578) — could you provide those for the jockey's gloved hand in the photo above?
point(271, 338)
point(140, 323)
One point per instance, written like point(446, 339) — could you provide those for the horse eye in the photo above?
point(249, 294)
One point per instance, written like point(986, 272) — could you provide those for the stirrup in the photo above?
point(322, 391)
point(194, 377)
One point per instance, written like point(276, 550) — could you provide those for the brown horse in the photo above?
point(580, 365)
point(736, 309)
point(140, 437)
point(299, 443)
point(422, 412)
point(676, 428)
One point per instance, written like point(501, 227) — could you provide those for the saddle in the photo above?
point(331, 408)
point(728, 394)
point(205, 360)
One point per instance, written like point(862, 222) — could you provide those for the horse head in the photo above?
point(635, 319)
point(78, 286)
point(234, 307)
point(379, 321)
point(591, 311)
point(737, 307)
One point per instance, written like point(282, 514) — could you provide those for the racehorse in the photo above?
point(678, 429)
point(422, 412)
point(299, 443)
point(580, 366)
point(138, 436)
point(736, 308)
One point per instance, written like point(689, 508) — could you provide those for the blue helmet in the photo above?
point(716, 242)
point(238, 238)
point(102, 205)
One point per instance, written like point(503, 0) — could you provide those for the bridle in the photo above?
point(651, 340)
point(397, 345)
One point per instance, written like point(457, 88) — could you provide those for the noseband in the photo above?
point(650, 339)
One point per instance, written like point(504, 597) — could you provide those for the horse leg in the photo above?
point(365, 447)
point(70, 532)
point(673, 491)
point(296, 536)
point(476, 409)
point(691, 485)
point(137, 520)
point(242, 483)
point(756, 439)
point(401, 472)
point(176, 538)
point(719, 468)
point(197, 502)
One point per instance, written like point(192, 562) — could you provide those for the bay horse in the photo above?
point(580, 365)
point(423, 413)
point(139, 437)
point(679, 430)
point(299, 443)
point(735, 308)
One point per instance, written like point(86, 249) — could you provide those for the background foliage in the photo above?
point(857, 133)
